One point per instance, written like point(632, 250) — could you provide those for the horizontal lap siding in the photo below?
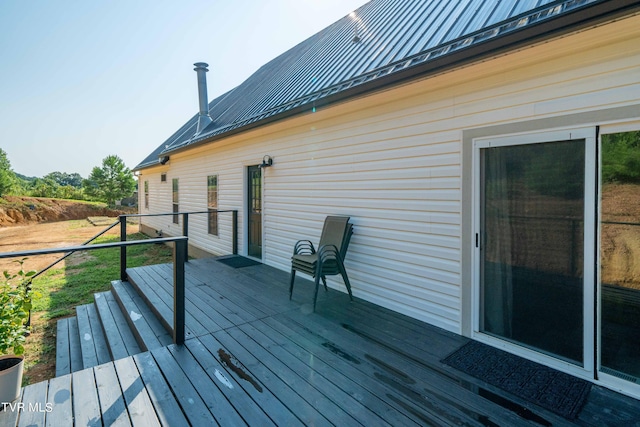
point(392, 162)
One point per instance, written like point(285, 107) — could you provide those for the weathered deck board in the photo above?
point(417, 386)
point(265, 399)
point(369, 391)
point(35, 415)
point(216, 401)
point(252, 295)
point(158, 293)
point(63, 358)
point(412, 345)
point(167, 408)
point(112, 406)
point(149, 332)
point(59, 400)
point(214, 316)
point(99, 339)
point(136, 396)
point(89, 355)
point(86, 406)
point(187, 396)
point(261, 374)
point(327, 382)
point(121, 341)
point(251, 412)
point(75, 348)
point(276, 363)
point(9, 416)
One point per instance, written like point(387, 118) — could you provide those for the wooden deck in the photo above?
point(252, 357)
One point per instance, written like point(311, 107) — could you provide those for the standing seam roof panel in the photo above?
point(298, 77)
point(271, 80)
point(408, 43)
point(345, 51)
point(395, 34)
point(461, 24)
point(428, 39)
point(375, 41)
point(476, 19)
point(306, 84)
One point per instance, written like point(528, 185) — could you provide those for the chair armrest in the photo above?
point(304, 247)
point(327, 252)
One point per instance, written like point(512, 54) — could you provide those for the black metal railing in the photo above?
point(185, 225)
point(67, 254)
point(180, 256)
point(122, 220)
point(179, 260)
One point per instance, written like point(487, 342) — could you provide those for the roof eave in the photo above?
point(588, 16)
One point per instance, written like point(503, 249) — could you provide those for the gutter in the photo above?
point(443, 58)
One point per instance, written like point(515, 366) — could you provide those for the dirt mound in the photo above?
point(15, 210)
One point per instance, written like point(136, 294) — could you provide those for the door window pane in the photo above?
point(212, 203)
point(146, 194)
point(255, 212)
point(532, 224)
point(175, 199)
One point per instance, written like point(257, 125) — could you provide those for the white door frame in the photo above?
point(587, 370)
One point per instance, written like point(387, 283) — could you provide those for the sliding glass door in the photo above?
point(534, 219)
point(620, 256)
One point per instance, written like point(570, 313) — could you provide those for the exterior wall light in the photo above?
point(266, 162)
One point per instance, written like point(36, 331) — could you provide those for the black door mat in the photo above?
point(237, 261)
point(556, 391)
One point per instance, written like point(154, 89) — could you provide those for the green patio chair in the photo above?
point(328, 259)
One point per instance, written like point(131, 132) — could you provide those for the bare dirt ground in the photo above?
point(47, 235)
point(621, 239)
point(37, 223)
point(19, 210)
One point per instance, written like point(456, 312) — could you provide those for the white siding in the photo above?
point(392, 161)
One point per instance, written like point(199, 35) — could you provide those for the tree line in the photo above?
point(621, 157)
point(109, 182)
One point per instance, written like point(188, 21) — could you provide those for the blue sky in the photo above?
point(80, 80)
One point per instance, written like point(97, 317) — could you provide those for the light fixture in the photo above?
point(164, 160)
point(266, 162)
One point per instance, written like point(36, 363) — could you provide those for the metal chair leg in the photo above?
point(293, 278)
point(315, 296)
point(324, 282)
point(343, 272)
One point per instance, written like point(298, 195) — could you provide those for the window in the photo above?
point(146, 194)
point(176, 207)
point(620, 251)
point(163, 177)
point(212, 203)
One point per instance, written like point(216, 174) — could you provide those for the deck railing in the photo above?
point(185, 226)
point(179, 259)
point(180, 256)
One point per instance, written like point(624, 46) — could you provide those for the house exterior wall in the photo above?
point(394, 162)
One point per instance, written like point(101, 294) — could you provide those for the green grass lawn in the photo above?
point(61, 289)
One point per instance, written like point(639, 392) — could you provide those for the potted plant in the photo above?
point(15, 305)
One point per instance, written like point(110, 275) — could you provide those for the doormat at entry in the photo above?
point(237, 261)
point(553, 390)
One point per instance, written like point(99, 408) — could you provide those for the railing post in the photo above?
point(123, 249)
point(234, 231)
point(179, 258)
point(185, 232)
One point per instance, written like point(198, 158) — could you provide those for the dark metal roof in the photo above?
point(384, 40)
